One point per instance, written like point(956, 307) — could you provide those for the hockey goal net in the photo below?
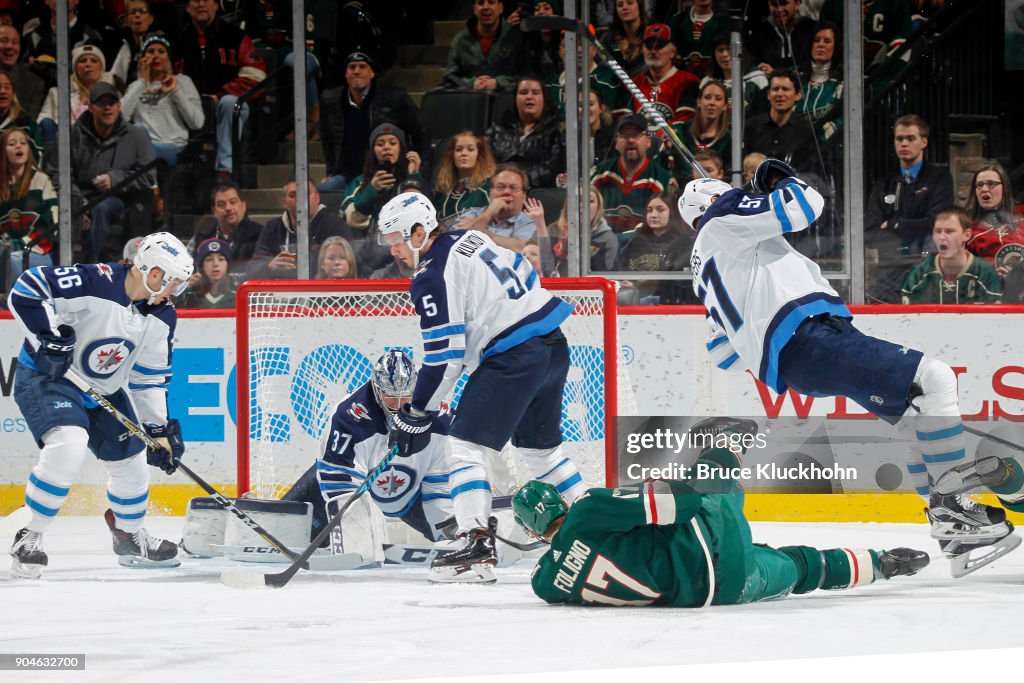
point(308, 344)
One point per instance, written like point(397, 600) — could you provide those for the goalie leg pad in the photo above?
point(64, 451)
point(361, 530)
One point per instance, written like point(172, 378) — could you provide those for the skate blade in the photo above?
point(947, 532)
point(25, 571)
point(136, 562)
point(475, 573)
point(964, 564)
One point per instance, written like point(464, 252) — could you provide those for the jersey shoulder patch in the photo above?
point(360, 415)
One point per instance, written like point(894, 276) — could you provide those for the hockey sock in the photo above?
point(833, 569)
point(938, 427)
point(471, 493)
point(918, 471)
point(551, 465)
point(128, 491)
point(64, 451)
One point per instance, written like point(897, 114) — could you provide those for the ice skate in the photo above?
point(473, 563)
point(27, 556)
point(901, 562)
point(138, 549)
point(963, 526)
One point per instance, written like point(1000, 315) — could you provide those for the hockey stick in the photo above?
point(239, 579)
point(553, 23)
point(994, 439)
point(136, 430)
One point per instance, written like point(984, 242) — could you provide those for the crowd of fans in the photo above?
point(147, 75)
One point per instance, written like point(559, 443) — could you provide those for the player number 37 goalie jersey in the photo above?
point(475, 299)
point(756, 287)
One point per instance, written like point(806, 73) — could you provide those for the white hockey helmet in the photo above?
point(164, 251)
point(697, 197)
point(401, 215)
point(393, 377)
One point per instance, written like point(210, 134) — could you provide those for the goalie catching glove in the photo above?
point(172, 447)
point(411, 431)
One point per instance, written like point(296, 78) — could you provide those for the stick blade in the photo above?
point(239, 578)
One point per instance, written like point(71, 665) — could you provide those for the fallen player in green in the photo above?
point(684, 544)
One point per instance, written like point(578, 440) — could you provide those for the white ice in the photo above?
point(390, 623)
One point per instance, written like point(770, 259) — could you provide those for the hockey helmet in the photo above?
point(393, 377)
point(403, 213)
point(698, 196)
point(536, 506)
point(164, 251)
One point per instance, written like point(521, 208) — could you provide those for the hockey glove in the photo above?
point(168, 437)
point(411, 431)
point(768, 173)
point(56, 352)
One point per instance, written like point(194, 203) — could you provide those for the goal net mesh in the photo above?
point(308, 350)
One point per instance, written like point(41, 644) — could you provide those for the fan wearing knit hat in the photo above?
point(88, 67)
point(388, 162)
point(215, 288)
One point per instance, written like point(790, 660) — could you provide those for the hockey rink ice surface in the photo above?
point(385, 624)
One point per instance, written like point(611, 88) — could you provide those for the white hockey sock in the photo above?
point(128, 491)
point(917, 470)
point(551, 465)
point(64, 451)
point(938, 427)
point(471, 493)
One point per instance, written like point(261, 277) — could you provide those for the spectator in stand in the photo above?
point(627, 181)
point(604, 243)
point(545, 55)
point(783, 39)
point(464, 174)
point(214, 288)
point(782, 133)
point(487, 54)
point(13, 116)
point(223, 63)
point(750, 164)
point(672, 91)
point(707, 130)
point(166, 105)
point(529, 135)
point(953, 275)
point(31, 88)
point(997, 226)
point(107, 155)
point(232, 226)
point(40, 46)
point(504, 219)
point(712, 164)
point(28, 205)
point(755, 82)
point(275, 256)
point(602, 133)
point(626, 36)
point(661, 243)
point(693, 31)
point(88, 67)
point(337, 260)
point(822, 81)
point(887, 25)
point(602, 80)
point(388, 162)
point(138, 18)
point(350, 112)
point(902, 207)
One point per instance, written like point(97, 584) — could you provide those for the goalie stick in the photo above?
point(555, 23)
point(241, 579)
point(136, 430)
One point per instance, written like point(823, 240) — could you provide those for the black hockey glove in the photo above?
point(171, 449)
point(56, 352)
point(768, 173)
point(411, 431)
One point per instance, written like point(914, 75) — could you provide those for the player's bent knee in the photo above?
point(937, 382)
point(64, 452)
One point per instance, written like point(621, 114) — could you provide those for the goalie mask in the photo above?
point(393, 380)
point(164, 251)
point(697, 198)
point(399, 218)
point(536, 506)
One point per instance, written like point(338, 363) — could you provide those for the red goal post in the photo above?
point(302, 346)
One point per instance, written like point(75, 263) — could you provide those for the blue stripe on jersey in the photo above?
point(435, 478)
point(779, 208)
point(801, 200)
point(21, 290)
point(783, 326)
point(127, 501)
point(531, 280)
point(140, 387)
point(727, 363)
point(142, 370)
point(518, 260)
point(443, 357)
point(940, 434)
point(472, 485)
point(52, 489)
point(537, 324)
point(446, 331)
point(427, 497)
point(340, 486)
point(716, 342)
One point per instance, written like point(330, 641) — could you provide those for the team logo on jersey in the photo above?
point(106, 271)
point(420, 268)
point(1009, 255)
point(359, 412)
point(877, 399)
point(393, 484)
point(103, 357)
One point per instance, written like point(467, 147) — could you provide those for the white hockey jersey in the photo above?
point(757, 289)
point(119, 343)
point(475, 299)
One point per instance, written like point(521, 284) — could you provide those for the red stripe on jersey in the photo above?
point(651, 504)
